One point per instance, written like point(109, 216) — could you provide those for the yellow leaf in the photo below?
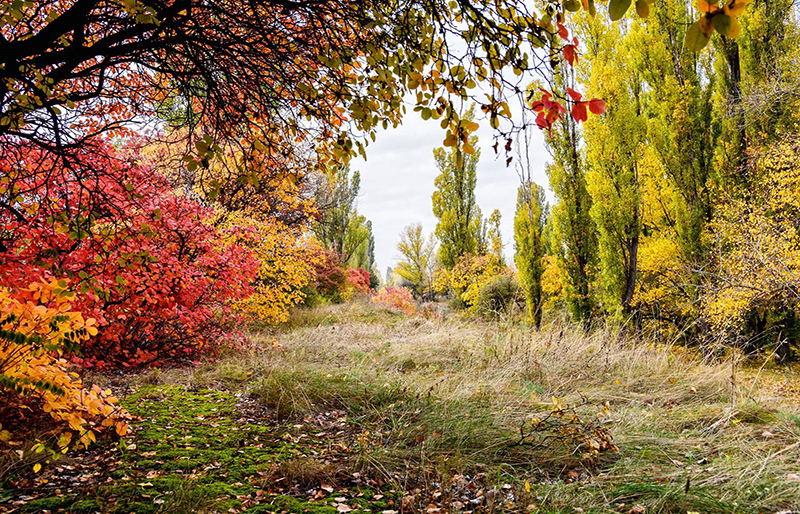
point(37, 467)
point(706, 7)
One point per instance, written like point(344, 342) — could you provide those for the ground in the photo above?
point(354, 408)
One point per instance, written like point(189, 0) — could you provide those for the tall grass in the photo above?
point(451, 394)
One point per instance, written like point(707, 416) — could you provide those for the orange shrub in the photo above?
point(37, 325)
point(396, 299)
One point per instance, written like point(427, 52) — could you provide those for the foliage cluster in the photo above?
point(674, 209)
point(37, 328)
point(149, 265)
point(396, 298)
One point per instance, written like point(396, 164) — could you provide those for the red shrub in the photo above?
point(331, 277)
point(149, 265)
point(359, 279)
point(397, 299)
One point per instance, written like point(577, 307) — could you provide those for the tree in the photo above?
point(529, 222)
point(419, 259)
point(460, 226)
point(302, 71)
point(573, 228)
point(495, 238)
point(339, 226)
point(615, 144)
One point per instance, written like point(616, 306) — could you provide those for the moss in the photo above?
point(85, 506)
point(294, 505)
point(51, 504)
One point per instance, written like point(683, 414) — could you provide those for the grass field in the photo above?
point(355, 408)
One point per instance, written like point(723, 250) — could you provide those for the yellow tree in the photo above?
point(419, 259)
point(614, 145)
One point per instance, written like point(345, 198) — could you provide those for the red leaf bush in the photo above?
point(396, 299)
point(149, 264)
point(359, 279)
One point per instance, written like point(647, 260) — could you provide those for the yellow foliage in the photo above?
point(760, 236)
point(553, 282)
point(470, 274)
point(36, 326)
point(287, 260)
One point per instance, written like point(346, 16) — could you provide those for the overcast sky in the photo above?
point(397, 182)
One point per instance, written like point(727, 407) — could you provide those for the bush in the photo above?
point(396, 299)
point(498, 295)
point(330, 281)
point(359, 279)
point(37, 323)
point(149, 265)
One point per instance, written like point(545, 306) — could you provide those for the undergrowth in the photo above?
point(426, 412)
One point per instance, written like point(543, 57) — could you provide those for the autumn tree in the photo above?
point(494, 238)
point(529, 222)
point(339, 226)
point(614, 146)
point(573, 228)
point(418, 259)
point(459, 229)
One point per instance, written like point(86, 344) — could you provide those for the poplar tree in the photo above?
point(460, 224)
point(529, 222)
point(573, 228)
point(614, 147)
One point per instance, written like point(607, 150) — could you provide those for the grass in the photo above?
point(393, 413)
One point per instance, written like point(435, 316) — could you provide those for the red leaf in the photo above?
point(576, 97)
point(541, 122)
point(537, 105)
point(562, 32)
point(579, 112)
point(597, 106)
point(570, 54)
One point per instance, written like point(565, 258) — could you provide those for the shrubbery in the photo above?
point(498, 295)
point(150, 267)
point(37, 325)
point(359, 279)
point(397, 299)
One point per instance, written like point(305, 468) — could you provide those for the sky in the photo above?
point(397, 182)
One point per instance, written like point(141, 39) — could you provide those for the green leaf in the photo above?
point(618, 8)
point(695, 39)
point(722, 23)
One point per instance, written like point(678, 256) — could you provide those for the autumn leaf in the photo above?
point(579, 112)
point(597, 106)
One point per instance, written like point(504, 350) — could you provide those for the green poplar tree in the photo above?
point(529, 222)
point(460, 225)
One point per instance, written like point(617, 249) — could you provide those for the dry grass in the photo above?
point(450, 394)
